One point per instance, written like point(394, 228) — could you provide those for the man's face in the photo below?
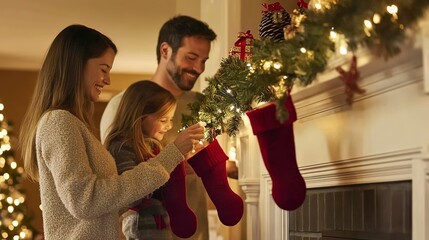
point(185, 66)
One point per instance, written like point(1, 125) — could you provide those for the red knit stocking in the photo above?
point(183, 221)
point(277, 145)
point(210, 165)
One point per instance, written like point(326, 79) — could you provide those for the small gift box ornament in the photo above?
point(242, 47)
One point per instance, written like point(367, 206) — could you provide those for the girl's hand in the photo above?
point(187, 138)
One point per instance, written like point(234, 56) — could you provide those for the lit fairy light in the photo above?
point(10, 209)
point(13, 165)
point(393, 9)
point(231, 107)
point(3, 133)
point(9, 200)
point(16, 202)
point(303, 50)
point(343, 50)
point(6, 176)
point(376, 18)
point(277, 65)
point(251, 69)
point(2, 162)
point(1, 117)
point(333, 35)
point(229, 91)
point(318, 5)
point(15, 223)
point(367, 24)
point(1, 106)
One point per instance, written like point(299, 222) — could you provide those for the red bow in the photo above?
point(302, 4)
point(241, 43)
point(242, 37)
point(272, 7)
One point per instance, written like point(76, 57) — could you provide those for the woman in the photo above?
point(81, 192)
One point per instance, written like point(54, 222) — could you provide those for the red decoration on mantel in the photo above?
point(350, 80)
point(242, 46)
point(302, 4)
point(273, 7)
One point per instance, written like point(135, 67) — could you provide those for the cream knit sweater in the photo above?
point(81, 192)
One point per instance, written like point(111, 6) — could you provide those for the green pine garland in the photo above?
point(276, 66)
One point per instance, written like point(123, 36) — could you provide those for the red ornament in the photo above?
point(350, 80)
point(242, 46)
point(302, 4)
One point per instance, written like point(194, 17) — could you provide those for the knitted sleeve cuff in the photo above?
point(264, 118)
point(207, 158)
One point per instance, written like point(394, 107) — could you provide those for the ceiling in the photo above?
point(28, 27)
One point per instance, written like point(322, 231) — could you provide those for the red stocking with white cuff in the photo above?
point(277, 145)
point(210, 165)
point(183, 221)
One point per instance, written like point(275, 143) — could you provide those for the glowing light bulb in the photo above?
point(303, 50)
point(376, 18)
point(343, 50)
point(1, 106)
point(367, 24)
point(392, 9)
point(277, 65)
point(10, 209)
point(333, 34)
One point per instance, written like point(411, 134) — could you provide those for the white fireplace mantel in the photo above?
point(373, 161)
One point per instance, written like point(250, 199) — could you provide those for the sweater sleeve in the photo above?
point(75, 166)
point(125, 159)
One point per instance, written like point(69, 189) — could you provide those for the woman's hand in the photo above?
point(187, 138)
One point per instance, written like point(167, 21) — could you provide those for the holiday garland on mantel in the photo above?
point(276, 65)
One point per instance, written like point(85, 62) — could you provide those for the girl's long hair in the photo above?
point(139, 100)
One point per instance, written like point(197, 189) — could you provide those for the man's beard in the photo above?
point(176, 75)
point(184, 85)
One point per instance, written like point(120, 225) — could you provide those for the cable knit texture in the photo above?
point(81, 192)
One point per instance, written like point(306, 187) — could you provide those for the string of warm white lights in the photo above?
point(14, 223)
point(327, 28)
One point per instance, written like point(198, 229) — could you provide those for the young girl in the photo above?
point(144, 115)
point(81, 191)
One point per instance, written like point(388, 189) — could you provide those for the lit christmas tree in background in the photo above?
point(14, 219)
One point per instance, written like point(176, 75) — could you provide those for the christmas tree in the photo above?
point(14, 220)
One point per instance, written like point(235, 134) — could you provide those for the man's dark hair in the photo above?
point(174, 30)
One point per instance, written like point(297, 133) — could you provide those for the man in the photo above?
point(182, 50)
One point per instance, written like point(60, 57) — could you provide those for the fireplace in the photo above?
point(379, 211)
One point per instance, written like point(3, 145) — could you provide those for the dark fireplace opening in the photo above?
point(379, 211)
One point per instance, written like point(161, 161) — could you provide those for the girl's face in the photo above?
point(97, 74)
point(156, 125)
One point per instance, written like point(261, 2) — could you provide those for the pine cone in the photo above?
point(272, 25)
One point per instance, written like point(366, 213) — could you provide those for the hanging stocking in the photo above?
point(210, 165)
point(277, 145)
point(183, 221)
